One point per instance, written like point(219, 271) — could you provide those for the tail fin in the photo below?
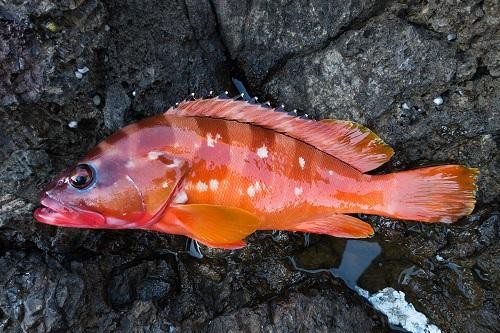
point(434, 194)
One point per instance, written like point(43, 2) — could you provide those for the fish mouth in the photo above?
point(54, 212)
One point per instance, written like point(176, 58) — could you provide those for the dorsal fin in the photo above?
point(347, 141)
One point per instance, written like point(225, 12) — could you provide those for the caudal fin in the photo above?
point(434, 194)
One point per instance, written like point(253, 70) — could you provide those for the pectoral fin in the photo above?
point(216, 226)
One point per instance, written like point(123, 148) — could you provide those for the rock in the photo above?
point(185, 56)
point(471, 22)
point(150, 281)
point(117, 104)
point(37, 68)
point(262, 35)
point(41, 296)
point(318, 309)
point(366, 71)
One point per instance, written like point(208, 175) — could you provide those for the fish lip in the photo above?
point(54, 212)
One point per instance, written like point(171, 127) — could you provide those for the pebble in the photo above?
point(451, 37)
point(78, 75)
point(96, 100)
point(73, 124)
point(438, 100)
point(83, 70)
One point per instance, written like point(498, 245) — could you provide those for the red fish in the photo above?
point(217, 170)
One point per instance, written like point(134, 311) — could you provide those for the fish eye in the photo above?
point(81, 176)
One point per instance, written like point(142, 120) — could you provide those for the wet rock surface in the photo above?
point(423, 75)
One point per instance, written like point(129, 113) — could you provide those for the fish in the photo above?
point(218, 169)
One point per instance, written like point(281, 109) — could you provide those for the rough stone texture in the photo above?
point(262, 34)
point(380, 63)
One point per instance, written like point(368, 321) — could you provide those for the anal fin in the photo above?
point(337, 225)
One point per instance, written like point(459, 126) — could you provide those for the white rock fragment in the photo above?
point(405, 106)
point(78, 75)
point(451, 36)
point(438, 100)
point(392, 303)
point(107, 27)
point(73, 124)
point(439, 258)
point(83, 70)
point(96, 100)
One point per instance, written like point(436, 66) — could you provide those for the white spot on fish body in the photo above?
point(175, 163)
point(298, 191)
point(257, 186)
point(153, 155)
point(251, 191)
point(446, 219)
point(262, 152)
point(330, 172)
point(302, 162)
point(164, 184)
point(130, 164)
point(214, 184)
point(114, 221)
point(181, 197)
point(201, 186)
point(211, 140)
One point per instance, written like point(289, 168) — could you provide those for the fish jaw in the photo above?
point(55, 213)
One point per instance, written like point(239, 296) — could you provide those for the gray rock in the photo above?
point(41, 296)
point(117, 104)
point(363, 73)
point(163, 61)
point(35, 68)
point(260, 35)
point(319, 310)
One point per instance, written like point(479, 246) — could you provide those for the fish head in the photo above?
point(121, 183)
point(91, 194)
point(110, 191)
